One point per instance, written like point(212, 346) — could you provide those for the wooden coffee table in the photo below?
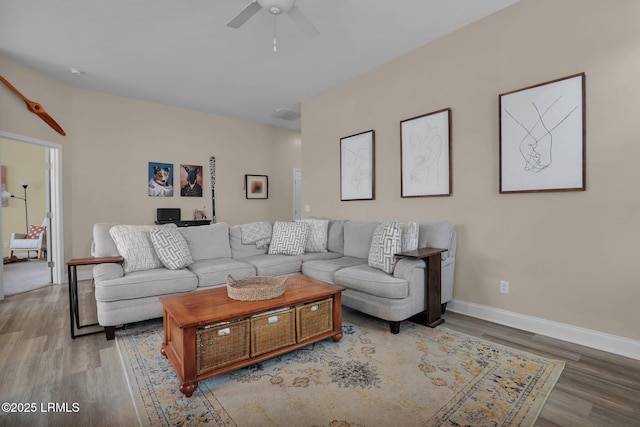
point(194, 320)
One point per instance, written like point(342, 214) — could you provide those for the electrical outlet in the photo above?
point(307, 208)
point(504, 287)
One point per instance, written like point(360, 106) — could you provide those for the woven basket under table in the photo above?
point(222, 344)
point(314, 319)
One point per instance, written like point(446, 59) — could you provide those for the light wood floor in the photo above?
point(41, 364)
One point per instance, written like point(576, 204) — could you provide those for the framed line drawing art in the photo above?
point(256, 186)
point(357, 166)
point(425, 155)
point(542, 137)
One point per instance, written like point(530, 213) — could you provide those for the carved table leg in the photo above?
point(337, 337)
point(188, 388)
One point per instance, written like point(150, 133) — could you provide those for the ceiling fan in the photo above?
point(276, 7)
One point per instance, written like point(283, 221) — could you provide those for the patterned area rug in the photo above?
point(420, 377)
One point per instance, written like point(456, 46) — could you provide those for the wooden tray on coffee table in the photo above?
point(209, 317)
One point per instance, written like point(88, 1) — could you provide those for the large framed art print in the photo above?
point(425, 155)
point(357, 167)
point(542, 137)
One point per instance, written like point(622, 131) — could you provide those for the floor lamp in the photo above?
point(6, 194)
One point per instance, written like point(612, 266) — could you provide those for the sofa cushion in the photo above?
point(357, 238)
point(409, 233)
point(103, 244)
point(288, 238)
point(208, 241)
point(141, 284)
point(317, 238)
point(134, 245)
point(373, 281)
point(325, 269)
point(274, 265)
point(436, 235)
point(385, 244)
point(312, 256)
point(335, 236)
point(171, 248)
point(240, 250)
point(213, 272)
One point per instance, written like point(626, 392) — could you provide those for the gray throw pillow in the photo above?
point(171, 247)
point(288, 238)
point(385, 244)
point(317, 239)
point(409, 235)
point(134, 245)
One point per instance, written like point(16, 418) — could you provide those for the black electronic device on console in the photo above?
point(165, 215)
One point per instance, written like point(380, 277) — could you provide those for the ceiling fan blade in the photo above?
point(302, 22)
point(245, 14)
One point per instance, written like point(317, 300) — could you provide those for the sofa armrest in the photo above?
point(405, 267)
point(107, 272)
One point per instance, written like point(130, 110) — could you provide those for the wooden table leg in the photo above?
point(433, 291)
point(188, 388)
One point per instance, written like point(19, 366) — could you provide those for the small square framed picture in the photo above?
point(256, 186)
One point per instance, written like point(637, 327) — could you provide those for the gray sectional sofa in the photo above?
point(127, 293)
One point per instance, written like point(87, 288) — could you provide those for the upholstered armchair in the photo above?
point(34, 240)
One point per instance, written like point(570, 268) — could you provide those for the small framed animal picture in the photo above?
point(190, 181)
point(160, 179)
point(256, 186)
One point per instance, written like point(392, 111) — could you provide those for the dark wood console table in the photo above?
point(189, 223)
point(74, 311)
point(432, 282)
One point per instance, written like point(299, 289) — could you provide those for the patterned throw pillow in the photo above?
point(317, 239)
point(288, 238)
point(171, 247)
point(409, 232)
point(134, 245)
point(385, 244)
point(35, 231)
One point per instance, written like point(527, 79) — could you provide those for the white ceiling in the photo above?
point(181, 53)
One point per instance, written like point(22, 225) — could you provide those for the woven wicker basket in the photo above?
point(314, 319)
point(272, 331)
point(255, 288)
point(221, 345)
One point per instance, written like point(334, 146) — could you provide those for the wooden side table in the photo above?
point(74, 311)
point(432, 282)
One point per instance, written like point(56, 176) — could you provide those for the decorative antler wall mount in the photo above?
point(35, 108)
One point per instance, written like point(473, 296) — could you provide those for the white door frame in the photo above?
point(297, 185)
point(57, 231)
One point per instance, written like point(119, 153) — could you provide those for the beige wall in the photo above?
point(115, 138)
point(23, 162)
point(110, 141)
point(569, 257)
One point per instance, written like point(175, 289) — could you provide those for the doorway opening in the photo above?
point(297, 186)
point(53, 208)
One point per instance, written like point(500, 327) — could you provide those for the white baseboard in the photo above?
point(606, 342)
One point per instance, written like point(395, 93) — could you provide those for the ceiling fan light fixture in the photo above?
point(277, 7)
